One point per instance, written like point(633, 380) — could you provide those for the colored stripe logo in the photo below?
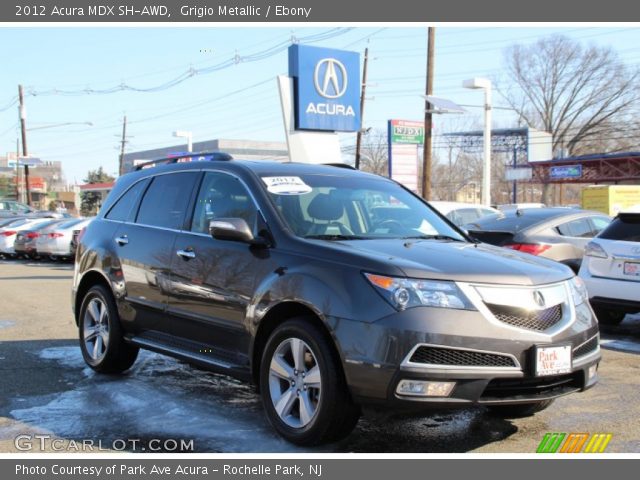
point(555, 442)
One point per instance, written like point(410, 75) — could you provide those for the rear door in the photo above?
point(144, 245)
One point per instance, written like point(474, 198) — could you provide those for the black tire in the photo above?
point(335, 413)
point(118, 355)
point(609, 317)
point(519, 410)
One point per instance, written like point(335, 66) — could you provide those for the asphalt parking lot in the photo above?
point(46, 389)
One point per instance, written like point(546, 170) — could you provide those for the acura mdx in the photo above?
point(330, 289)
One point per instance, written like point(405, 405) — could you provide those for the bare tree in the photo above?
point(576, 93)
point(374, 153)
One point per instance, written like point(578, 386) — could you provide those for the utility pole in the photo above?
point(428, 125)
point(362, 98)
point(17, 169)
point(122, 144)
point(25, 152)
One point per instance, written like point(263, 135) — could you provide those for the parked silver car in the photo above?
point(55, 241)
point(556, 233)
point(9, 232)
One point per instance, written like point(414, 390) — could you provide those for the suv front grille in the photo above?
point(586, 348)
point(460, 358)
point(538, 320)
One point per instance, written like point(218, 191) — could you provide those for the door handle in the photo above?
point(187, 254)
point(123, 240)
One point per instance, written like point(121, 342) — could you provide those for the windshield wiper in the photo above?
point(336, 236)
point(434, 237)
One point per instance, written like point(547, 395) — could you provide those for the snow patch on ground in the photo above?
point(158, 398)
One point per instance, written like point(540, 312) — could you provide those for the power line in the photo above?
point(191, 72)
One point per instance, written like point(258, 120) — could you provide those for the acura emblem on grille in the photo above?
point(538, 298)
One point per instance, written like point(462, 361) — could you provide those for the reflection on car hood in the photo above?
point(460, 261)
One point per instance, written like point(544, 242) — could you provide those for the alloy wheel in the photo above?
point(96, 329)
point(295, 382)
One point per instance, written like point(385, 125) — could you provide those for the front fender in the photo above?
point(339, 293)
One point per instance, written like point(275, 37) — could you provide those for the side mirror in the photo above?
point(235, 230)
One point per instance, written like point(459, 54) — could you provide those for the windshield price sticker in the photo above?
point(286, 185)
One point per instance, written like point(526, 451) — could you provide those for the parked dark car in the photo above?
point(330, 289)
point(556, 233)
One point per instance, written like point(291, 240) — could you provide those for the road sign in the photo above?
point(566, 171)
point(406, 131)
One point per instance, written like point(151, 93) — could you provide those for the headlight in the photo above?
point(593, 249)
point(578, 291)
point(403, 293)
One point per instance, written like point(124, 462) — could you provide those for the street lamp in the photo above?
point(188, 136)
point(484, 84)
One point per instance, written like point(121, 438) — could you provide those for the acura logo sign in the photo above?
point(538, 298)
point(330, 78)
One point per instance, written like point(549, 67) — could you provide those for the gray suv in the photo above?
point(330, 289)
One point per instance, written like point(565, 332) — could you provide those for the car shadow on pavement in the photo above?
point(50, 389)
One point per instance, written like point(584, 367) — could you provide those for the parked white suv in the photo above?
point(611, 269)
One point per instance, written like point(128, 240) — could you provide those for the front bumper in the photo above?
point(377, 356)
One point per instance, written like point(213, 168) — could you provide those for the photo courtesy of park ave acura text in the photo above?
point(292, 236)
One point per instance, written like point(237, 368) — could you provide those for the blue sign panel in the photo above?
point(566, 171)
point(326, 88)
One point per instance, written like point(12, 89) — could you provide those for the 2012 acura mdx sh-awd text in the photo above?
point(330, 289)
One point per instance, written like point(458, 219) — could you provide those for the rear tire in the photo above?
point(519, 410)
point(101, 339)
point(302, 385)
point(609, 317)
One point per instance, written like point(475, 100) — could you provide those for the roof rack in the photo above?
point(340, 165)
point(187, 157)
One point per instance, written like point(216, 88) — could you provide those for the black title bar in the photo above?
point(319, 11)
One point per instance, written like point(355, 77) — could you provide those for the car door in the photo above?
point(213, 281)
point(144, 246)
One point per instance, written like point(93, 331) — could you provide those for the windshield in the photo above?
point(333, 207)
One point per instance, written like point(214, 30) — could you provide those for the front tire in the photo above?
point(101, 340)
point(302, 384)
point(520, 410)
point(609, 317)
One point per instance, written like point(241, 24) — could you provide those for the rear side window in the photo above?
point(576, 228)
point(624, 227)
point(121, 211)
point(166, 200)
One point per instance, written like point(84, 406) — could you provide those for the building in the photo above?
point(240, 149)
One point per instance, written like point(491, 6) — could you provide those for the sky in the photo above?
point(63, 69)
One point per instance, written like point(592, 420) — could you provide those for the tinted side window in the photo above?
point(222, 196)
point(165, 202)
point(625, 227)
point(576, 228)
point(121, 211)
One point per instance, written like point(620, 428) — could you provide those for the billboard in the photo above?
point(326, 88)
point(404, 136)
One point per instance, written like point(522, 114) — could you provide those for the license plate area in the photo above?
point(552, 360)
point(632, 269)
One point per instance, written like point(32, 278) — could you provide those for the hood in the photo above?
point(464, 262)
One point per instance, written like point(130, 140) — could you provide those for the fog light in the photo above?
point(418, 388)
point(593, 369)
